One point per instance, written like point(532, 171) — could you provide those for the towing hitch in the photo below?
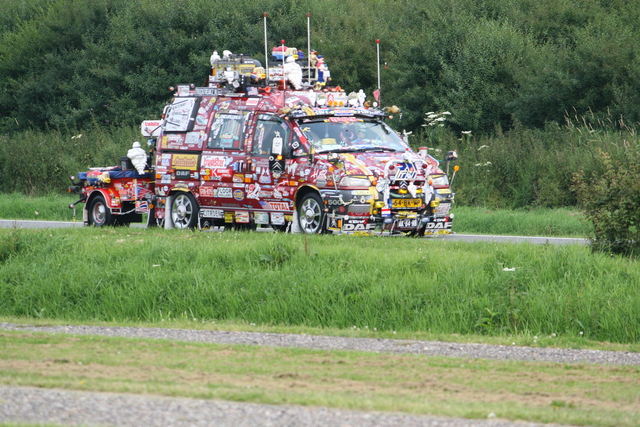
point(82, 200)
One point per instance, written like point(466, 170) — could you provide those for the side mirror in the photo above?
point(451, 156)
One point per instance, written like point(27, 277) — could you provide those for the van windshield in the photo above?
point(350, 134)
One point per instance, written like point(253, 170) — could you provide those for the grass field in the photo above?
point(319, 281)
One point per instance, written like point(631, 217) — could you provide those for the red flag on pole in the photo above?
point(376, 94)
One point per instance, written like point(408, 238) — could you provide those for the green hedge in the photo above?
point(67, 63)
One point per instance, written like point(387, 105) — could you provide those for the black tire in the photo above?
point(311, 215)
point(184, 211)
point(99, 213)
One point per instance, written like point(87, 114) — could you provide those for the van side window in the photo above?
point(227, 132)
point(268, 128)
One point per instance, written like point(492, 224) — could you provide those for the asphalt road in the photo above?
point(454, 237)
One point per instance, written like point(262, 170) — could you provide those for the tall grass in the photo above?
point(559, 222)
point(521, 168)
point(38, 163)
point(530, 168)
point(52, 207)
point(341, 282)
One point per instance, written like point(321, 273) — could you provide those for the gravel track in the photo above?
point(63, 407)
point(111, 409)
point(316, 342)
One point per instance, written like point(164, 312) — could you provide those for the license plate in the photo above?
point(211, 213)
point(443, 209)
point(407, 223)
point(406, 203)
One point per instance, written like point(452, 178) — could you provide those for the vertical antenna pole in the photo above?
point(379, 95)
point(266, 49)
point(284, 76)
point(309, 48)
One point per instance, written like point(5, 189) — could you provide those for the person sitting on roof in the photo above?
point(293, 73)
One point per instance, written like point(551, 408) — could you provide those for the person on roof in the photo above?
point(215, 57)
point(293, 73)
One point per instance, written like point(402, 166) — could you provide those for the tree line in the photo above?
point(73, 63)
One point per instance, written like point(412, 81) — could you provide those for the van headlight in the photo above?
point(351, 181)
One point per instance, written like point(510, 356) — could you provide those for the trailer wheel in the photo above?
point(99, 213)
point(184, 211)
point(311, 214)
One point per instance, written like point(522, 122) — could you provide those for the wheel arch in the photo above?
point(108, 198)
point(303, 191)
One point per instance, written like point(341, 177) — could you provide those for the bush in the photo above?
point(611, 199)
point(38, 163)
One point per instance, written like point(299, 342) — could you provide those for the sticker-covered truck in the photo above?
point(249, 150)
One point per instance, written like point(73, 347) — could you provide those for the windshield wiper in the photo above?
point(380, 148)
point(339, 150)
point(356, 149)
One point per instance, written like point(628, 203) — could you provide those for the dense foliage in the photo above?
point(611, 198)
point(64, 63)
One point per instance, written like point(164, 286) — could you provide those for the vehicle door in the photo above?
point(268, 190)
point(223, 163)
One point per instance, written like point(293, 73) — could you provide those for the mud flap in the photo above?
point(168, 221)
point(152, 221)
point(295, 225)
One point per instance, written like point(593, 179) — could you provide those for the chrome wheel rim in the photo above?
point(181, 211)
